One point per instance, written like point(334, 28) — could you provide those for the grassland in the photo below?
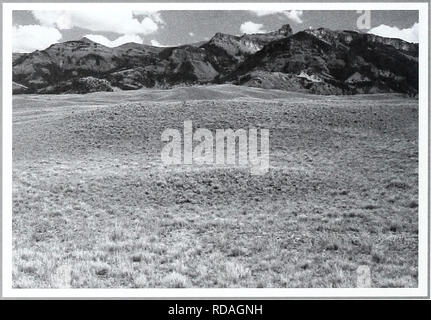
point(94, 207)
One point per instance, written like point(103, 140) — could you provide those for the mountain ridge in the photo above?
point(318, 61)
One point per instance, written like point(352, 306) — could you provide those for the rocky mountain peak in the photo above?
point(314, 60)
point(285, 30)
point(86, 40)
point(222, 36)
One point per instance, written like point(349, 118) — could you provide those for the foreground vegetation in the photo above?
point(93, 206)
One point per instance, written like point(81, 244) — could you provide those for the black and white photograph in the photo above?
point(240, 147)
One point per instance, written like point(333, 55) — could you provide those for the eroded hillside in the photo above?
point(315, 61)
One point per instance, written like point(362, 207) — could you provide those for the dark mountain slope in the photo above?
point(324, 61)
point(318, 61)
point(226, 51)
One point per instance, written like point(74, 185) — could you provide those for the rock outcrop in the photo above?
point(318, 61)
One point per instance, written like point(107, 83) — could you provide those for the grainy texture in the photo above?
point(93, 206)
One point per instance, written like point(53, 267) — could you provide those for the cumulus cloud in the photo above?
point(114, 43)
point(294, 15)
point(153, 15)
point(28, 38)
point(408, 34)
point(251, 27)
point(118, 21)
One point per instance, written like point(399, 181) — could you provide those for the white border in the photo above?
point(421, 291)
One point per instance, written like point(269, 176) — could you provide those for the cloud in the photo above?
point(409, 34)
point(114, 43)
point(155, 43)
point(294, 15)
point(153, 15)
point(118, 21)
point(28, 38)
point(251, 27)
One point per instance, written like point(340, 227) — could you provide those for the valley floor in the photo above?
point(94, 207)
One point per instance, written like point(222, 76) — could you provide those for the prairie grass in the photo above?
point(93, 206)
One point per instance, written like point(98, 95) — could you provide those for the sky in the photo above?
point(36, 30)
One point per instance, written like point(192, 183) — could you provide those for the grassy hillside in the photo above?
point(93, 206)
